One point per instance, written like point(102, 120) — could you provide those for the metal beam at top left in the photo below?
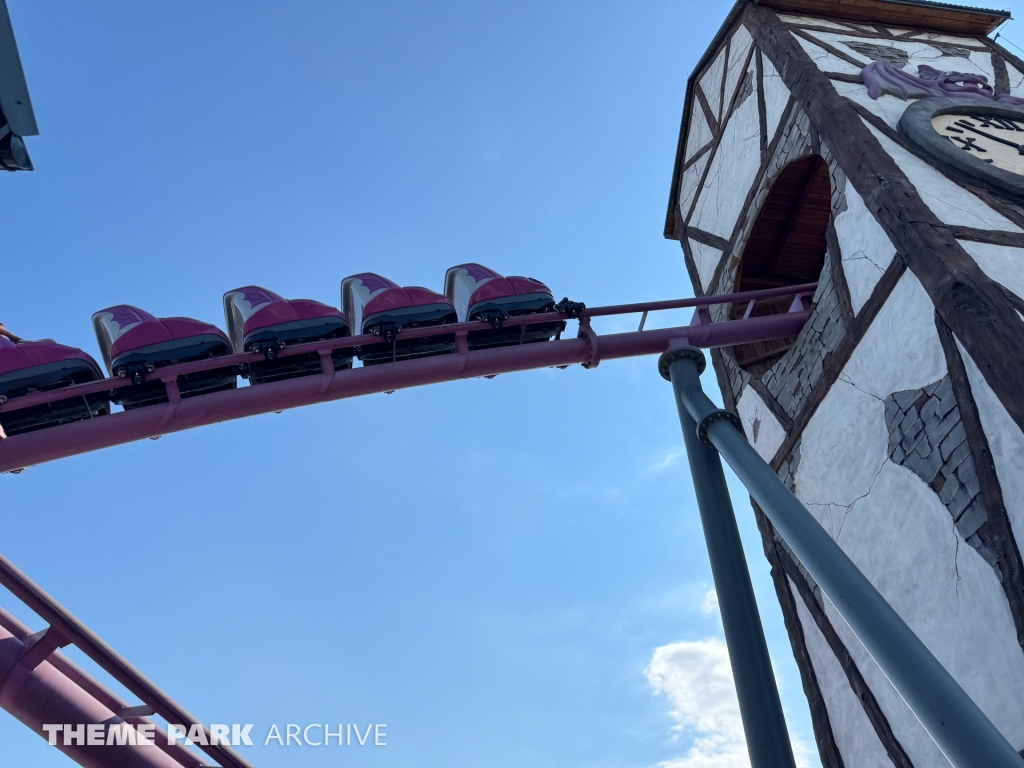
point(18, 116)
point(588, 349)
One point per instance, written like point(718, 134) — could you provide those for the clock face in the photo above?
point(979, 143)
point(995, 140)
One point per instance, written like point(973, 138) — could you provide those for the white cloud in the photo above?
point(697, 680)
point(710, 603)
point(669, 459)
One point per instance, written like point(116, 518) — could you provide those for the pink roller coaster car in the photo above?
point(259, 320)
point(376, 305)
point(135, 343)
point(40, 366)
point(479, 293)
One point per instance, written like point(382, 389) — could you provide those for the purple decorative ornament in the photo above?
point(881, 77)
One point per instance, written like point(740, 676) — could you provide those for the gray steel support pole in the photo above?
point(764, 724)
point(965, 735)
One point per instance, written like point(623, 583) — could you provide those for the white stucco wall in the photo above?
point(918, 53)
point(706, 258)
point(900, 350)
point(866, 249)
point(902, 537)
point(887, 107)
point(826, 61)
point(848, 429)
point(739, 47)
point(940, 38)
point(711, 84)
point(691, 181)
point(897, 531)
point(951, 203)
point(732, 172)
point(1003, 264)
point(863, 27)
point(762, 429)
point(811, 21)
point(853, 732)
point(776, 96)
point(699, 133)
point(1016, 80)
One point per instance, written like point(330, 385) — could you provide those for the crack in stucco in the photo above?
point(846, 508)
point(989, 224)
point(847, 380)
point(863, 256)
point(831, 519)
point(851, 505)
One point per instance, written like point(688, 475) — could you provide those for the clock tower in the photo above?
point(877, 148)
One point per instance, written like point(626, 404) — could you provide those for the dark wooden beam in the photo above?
point(718, 363)
point(722, 107)
point(1017, 301)
point(839, 283)
point(707, 238)
point(1006, 54)
point(1002, 76)
point(773, 405)
point(699, 154)
point(995, 237)
point(925, 16)
point(708, 114)
point(779, 351)
point(762, 109)
point(691, 267)
point(844, 77)
point(776, 281)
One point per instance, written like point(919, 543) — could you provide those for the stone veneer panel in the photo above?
point(927, 437)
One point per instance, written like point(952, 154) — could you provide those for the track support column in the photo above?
point(764, 724)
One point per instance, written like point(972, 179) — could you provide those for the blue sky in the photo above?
point(506, 572)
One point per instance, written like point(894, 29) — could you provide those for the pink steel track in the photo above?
point(588, 349)
point(38, 685)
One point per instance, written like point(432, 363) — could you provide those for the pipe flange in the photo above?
point(719, 415)
point(593, 343)
point(681, 353)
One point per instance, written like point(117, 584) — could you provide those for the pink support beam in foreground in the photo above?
point(38, 685)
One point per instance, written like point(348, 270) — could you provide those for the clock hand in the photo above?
point(1018, 147)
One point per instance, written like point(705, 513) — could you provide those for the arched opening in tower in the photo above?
point(786, 247)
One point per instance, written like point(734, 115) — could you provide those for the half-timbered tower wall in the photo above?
point(896, 416)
